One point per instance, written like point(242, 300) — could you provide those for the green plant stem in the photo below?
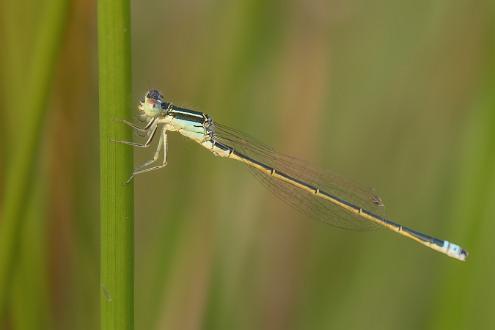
point(116, 197)
point(32, 111)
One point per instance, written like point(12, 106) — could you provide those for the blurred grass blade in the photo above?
point(32, 256)
point(116, 197)
point(474, 207)
point(20, 167)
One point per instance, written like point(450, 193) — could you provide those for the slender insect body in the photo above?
point(277, 173)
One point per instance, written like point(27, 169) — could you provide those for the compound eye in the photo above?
point(154, 95)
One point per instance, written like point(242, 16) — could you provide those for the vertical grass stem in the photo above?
point(116, 197)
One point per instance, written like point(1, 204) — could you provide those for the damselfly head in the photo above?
point(153, 104)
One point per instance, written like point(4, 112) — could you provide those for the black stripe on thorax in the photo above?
point(189, 115)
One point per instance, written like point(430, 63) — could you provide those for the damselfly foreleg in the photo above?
point(144, 129)
point(141, 145)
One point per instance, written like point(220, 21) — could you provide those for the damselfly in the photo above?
point(323, 196)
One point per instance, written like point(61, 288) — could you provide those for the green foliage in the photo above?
point(22, 163)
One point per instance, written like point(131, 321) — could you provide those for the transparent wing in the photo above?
point(303, 201)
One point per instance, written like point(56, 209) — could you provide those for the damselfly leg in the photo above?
point(150, 130)
point(151, 135)
point(143, 168)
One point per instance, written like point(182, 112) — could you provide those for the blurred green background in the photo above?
point(397, 95)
